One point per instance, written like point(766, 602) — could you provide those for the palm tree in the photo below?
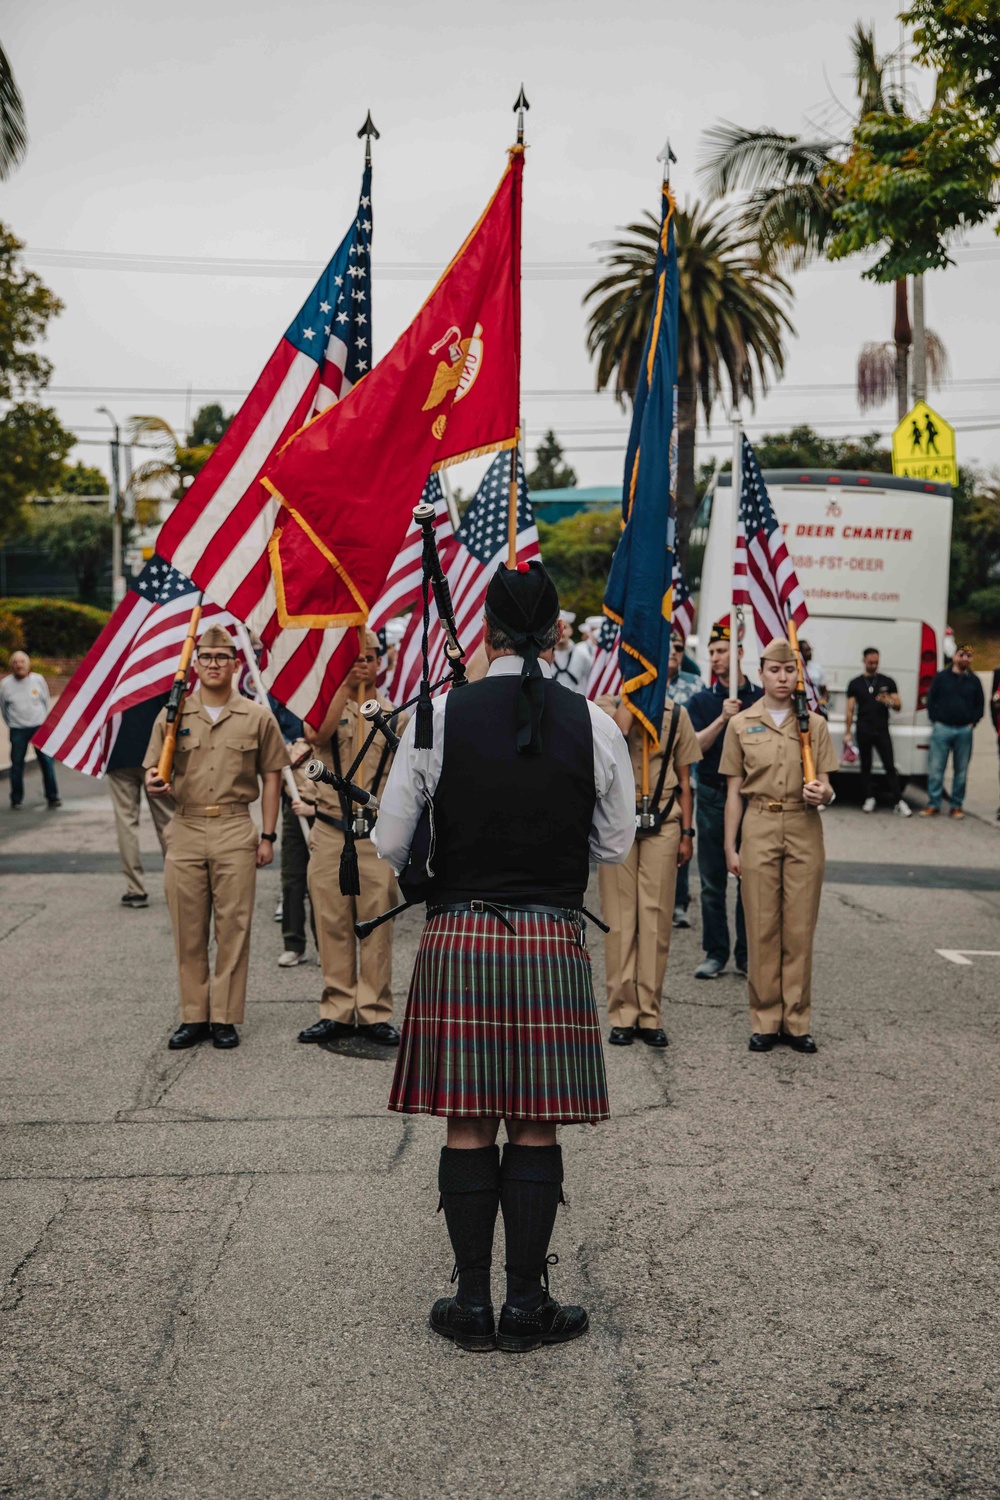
point(731, 324)
point(791, 205)
point(13, 126)
point(168, 474)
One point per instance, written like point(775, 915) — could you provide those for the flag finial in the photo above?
point(666, 156)
point(368, 130)
point(520, 105)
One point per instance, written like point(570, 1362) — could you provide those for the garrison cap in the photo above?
point(523, 603)
point(777, 650)
point(213, 637)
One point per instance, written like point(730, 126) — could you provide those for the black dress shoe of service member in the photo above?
point(799, 1043)
point(382, 1032)
point(519, 1330)
point(763, 1041)
point(472, 1328)
point(621, 1036)
point(653, 1036)
point(224, 1035)
point(189, 1034)
point(326, 1031)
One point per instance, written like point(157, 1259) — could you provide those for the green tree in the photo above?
point(82, 479)
point(804, 448)
point(550, 473)
point(732, 324)
point(78, 538)
point(13, 126)
point(958, 38)
point(209, 426)
point(578, 552)
point(33, 447)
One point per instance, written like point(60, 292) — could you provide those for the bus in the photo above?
point(872, 554)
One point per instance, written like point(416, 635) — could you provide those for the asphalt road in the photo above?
point(217, 1266)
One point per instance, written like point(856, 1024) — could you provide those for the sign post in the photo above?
point(923, 447)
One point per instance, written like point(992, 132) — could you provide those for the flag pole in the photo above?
point(737, 493)
point(521, 104)
point(165, 765)
point(369, 132)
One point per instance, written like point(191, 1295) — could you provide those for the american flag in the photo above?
point(134, 658)
point(219, 533)
point(475, 551)
point(605, 673)
point(402, 587)
point(763, 575)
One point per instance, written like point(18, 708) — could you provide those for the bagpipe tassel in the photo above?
point(350, 875)
point(423, 734)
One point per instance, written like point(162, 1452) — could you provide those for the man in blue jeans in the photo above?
point(24, 704)
point(955, 705)
point(710, 712)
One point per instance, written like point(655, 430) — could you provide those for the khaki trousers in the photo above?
point(637, 902)
point(345, 990)
point(126, 788)
point(783, 862)
point(211, 867)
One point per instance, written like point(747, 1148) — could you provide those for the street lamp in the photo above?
point(117, 576)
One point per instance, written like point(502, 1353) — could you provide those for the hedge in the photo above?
point(985, 605)
point(57, 627)
point(11, 635)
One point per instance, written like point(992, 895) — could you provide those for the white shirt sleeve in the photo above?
point(43, 689)
point(612, 831)
point(402, 802)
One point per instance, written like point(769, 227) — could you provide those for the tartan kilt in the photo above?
point(501, 1024)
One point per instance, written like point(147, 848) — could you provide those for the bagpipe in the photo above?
point(415, 880)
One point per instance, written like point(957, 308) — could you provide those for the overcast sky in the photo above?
point(217, 129)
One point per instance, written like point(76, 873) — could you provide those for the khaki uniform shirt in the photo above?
point(686, 750)
point(219, 763)
point(769, 756)
point(327, 799)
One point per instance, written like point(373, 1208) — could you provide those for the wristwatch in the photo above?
point(272, 838)
point(687, 833)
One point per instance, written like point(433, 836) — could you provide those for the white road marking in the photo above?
point(957, 955)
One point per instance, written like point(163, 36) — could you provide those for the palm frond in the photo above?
point(869, 70)
point(13, 125)
point(938, 364)
point(876, 375)
point(737, 158)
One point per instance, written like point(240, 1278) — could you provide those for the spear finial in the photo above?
point(520, 106)
point(368, 130)
point(666, 156)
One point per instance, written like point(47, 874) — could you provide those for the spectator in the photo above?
point(870, 697)
point(995, 711)
point(24, 703)
point(682, 686)
point(125, 783)
point(955, 705)
point(816, 675)
point(294, 846)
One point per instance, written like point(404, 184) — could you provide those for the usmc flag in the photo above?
point(447, 390)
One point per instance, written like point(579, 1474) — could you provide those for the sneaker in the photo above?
point(16, 807)
point(133, 899)
point(290, 958)
point(681, 918)
point(54, 802)
point(904, 809)
point(957, 812)
point(868, 805)
point(709, 968)
point(929, 812)
point(279, 911)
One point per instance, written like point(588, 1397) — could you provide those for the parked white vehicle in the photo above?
point(872, 553)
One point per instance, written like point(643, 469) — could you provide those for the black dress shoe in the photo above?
point(653, 1036)
point(763, 1041)
point(326, 1031)
point(621, 1036)
point(470, 1328)
point(799, 1043)
point(189, 1034)
point(382, 1032)
point(518, 1331)
point(224, 1035)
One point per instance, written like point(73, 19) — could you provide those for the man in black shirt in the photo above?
point(870, 698)
point(955, 705)
point(710, 712)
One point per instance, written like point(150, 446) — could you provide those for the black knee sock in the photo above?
point(530, 1190)
point(469, 1182)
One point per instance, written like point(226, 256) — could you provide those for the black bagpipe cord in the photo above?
point(423, 733)
point(350, 874)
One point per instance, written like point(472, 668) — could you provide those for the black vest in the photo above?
point(507, 824)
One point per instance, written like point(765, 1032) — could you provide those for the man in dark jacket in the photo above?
point(955, 705)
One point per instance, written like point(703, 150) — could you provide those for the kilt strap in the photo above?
point(497, 909)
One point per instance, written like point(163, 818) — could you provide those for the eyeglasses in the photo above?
point(215, 658)
point(367, 658)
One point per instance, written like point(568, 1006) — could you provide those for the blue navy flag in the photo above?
point(639, 592)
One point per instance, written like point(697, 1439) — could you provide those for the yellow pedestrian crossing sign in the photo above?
point(923, 447)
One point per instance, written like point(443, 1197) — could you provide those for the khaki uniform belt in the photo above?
point(214, 810)
point(777, 804)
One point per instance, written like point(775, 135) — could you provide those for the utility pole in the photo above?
point(919, 342)
point(117, 574)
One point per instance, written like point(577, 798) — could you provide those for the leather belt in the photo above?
point(215, 810)
point(497, 909)
point(775, 804)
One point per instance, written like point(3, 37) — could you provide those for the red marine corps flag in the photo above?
point(448, 390)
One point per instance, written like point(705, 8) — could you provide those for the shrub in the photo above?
point(57, 627)
point(985, 605)
point(11, 635)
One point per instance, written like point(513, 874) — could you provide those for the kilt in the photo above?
point(499, 1024)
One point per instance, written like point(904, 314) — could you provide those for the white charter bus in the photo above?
point(872, 554)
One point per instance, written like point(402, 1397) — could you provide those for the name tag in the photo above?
point(756, 729)
point(182, 731)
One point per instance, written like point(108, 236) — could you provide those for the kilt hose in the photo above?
point(501, 1024)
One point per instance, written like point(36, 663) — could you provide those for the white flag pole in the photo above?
point(246, 646)
point(737, 492)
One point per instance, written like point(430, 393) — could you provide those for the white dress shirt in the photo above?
point(612, 829)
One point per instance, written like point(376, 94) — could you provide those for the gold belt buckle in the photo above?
point(774, 806)
point(215, 811)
